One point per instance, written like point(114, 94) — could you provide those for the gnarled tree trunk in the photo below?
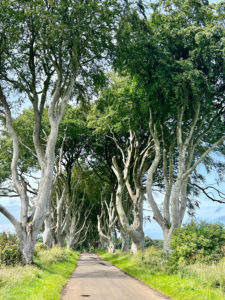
point(133, 163)
point(47, 235)
point(108, 236)
point(125, 241)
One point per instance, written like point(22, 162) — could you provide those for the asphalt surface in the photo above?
point(97, 279)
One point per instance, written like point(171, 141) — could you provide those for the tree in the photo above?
point(121, 113)
point(177, 57)
point(49, 54)
point(71, 207)
point(106, 223)
point(102, 151)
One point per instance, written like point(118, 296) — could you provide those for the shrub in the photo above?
point(39, 247)
point(197, 242)
point(52, 255)
point(156, 243)
point(9, 250)
point(91, 249)
point(152, 258)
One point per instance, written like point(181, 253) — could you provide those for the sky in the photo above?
point(209, 211)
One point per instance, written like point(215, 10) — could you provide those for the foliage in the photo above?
point(197, 242)
point(38, 247)
point(120, 107)
point(91, 249)
point(211, 275)
point(44, 280)
point(177, 56)
point(195, 282)
point(156, 243)
point(54, 28)
point(152, 258)
point(9, 250)
point(47, 256)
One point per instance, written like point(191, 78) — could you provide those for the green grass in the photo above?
point(200, 282)
point(43, 280)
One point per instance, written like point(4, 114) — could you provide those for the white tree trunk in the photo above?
point(135, 232)
point(167, 234)
point(125, 241)
point(134, 162)
point(47, 235)
point(139, 240)
point(111, 246)
point(27, 240)
point(69, 241)
point(61, 240)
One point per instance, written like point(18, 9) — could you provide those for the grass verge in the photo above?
point(149, 267)
point(42, 281)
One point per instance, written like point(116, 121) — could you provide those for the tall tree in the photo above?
point(107, 221)
point(122, 113)
point(177, 57)
point(50, 54)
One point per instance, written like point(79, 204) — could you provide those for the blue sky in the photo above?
point(209, 211)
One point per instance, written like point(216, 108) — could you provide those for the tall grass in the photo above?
point(42, 281)
point(199, 281)
point(208, 275)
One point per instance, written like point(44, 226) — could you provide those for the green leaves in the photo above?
point(48, 37)
point(120, 107)
point(197, 242)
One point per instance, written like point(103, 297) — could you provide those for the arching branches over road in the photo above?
point(177, 57)
point(49, 52)
point(121, 112)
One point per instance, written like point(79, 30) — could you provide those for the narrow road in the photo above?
point(97, 279)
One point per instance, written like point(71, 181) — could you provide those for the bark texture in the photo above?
point(134, 162)
point(106, 224)
point(179, 161)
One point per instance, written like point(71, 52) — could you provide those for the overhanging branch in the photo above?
point(211, 197)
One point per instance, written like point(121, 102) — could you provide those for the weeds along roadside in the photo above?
point(42, 280)
point(198, 281)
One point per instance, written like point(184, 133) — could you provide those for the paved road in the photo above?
point(98, 280)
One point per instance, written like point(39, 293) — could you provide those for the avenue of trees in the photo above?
point(105, 105)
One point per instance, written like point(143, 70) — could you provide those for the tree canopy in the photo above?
point(125, 97)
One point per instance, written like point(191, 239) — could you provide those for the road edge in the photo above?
point(63, 291)
point(142, 282)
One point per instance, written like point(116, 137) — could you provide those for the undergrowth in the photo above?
point(43, 280)
point(198, 281)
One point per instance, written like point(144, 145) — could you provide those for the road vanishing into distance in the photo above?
point(97, 279)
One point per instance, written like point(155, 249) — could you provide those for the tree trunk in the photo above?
point(134, 247)
point(125, 241)
point(61, 240)
point(28, 250)
point(47, 236)
point(111, 246)
point(167, 234)
point(27, 239)
point(135, 231)
point(138, 237)
point(138, 240)
point(104, 244)
point(69, 241)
